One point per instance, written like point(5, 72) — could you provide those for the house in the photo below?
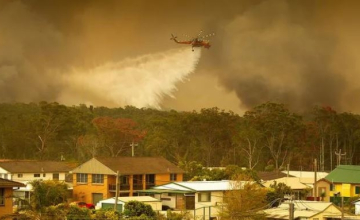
point(203, 199)
point(300, 189)
point(6, 195)
point(95, 179)
point(304, 210)
point(25, 171)
point(155, 204)
point(343, 181)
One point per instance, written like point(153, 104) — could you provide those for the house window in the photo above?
point(332, 187)
point(55, 176)
point(204, 197)
point(36, 174)
point(150, 179)
point(5, 176)
point(2, 196)
point(44, 174)
point(124, 180)
point(173, 177)
point(97, 178)
point(357, 189)
point(81, 178)
point(20, 175)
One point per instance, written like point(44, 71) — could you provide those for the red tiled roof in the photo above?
point(32, 166)
point(140, 165)
point(4, 183)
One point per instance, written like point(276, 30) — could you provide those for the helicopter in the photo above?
point(196, 41)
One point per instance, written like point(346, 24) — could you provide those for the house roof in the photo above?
point(129, 165)
point(33, 166)
point(271, 175)
point(5, 183)
point(306, 174)
point(302, 209)
point(198, 186)
point(344, 174)
point(292, 182)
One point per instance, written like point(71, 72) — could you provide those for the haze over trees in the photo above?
point(268, 136)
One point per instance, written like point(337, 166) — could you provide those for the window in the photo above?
point(81, 178)
point(55, 176)
point(150, 179)
point(97, 178)
point(2, 196)
point(357, 189)
point(204, 197)
point(5, 176)
point(20, 175)
point(173, 177)
point(44, 174)
point(332, 187)
point(124, 180)
point(36, 174)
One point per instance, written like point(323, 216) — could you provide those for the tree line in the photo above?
point(267, 137)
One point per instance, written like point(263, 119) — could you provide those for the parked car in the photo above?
point(83, 205)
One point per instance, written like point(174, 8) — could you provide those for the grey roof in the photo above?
point(33, 166)
point(5, 183)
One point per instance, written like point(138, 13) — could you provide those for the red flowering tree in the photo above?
point(117, 134)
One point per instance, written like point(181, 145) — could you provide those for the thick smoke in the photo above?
point(285, 51)
point(298, 52)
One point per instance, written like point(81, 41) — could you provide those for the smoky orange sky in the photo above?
point(298, 52)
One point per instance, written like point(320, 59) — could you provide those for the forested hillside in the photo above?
point(269, 136)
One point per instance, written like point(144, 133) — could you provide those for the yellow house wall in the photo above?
point(346, 190)
point(352, 190)
point(8, 207)
point(83, 192)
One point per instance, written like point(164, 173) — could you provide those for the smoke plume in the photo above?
point(298, 52)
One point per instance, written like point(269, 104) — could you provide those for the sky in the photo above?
point(118, 52)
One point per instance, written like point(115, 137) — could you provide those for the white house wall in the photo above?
point(166, 200)
point(4, 173)
point(30, 177)
point(211, 207)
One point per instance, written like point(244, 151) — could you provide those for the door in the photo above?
point(96, 197)
point(190, 202)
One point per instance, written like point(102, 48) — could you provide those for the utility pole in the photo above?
point(338, 156)
point(117, 190)
point(132, 148)
point(291, 210)
point(288, 170)
point(342, 207)
point(315, 179)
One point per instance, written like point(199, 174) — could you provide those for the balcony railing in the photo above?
point(138, 186)
point(123, 187)
point(149, 185)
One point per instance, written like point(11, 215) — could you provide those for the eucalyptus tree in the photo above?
point(250, 140)
point(349, 125)
point(325, 119)
point(279, 128)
